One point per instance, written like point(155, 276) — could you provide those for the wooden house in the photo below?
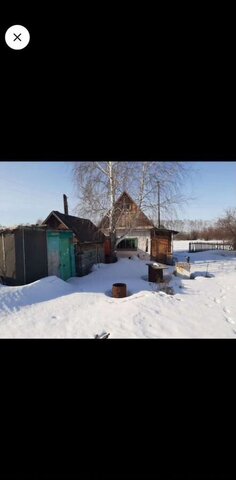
point(88, 241)
point(141, 236)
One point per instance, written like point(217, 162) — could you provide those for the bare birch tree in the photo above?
point(99, 184)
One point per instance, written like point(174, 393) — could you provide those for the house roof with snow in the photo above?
point(84, 229)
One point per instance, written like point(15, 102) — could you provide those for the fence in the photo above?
point(214, 266)
point(204, 246)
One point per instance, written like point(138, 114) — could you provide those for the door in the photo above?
point(53, 244)
point(61, 259)
point(65, 255)
point(160, 249)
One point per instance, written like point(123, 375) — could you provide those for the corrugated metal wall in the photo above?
point(31, 255)
point(35, 255)
point(23, 256)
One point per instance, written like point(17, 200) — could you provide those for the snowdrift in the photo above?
point(80, 308)
point(49, 288)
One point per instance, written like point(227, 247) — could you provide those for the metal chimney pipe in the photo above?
point(65, 204)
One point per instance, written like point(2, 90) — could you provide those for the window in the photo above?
point(128, 244)
point(126, 206)
point(147, 245)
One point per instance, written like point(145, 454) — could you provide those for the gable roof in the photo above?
point(83, 228)
point(136, 216)
point(125, 195)
point(138, 219)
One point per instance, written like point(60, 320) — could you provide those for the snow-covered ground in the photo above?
point(83, 307)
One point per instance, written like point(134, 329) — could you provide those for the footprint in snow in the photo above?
point(217, 300)
point(229, 320)
point(226, 310)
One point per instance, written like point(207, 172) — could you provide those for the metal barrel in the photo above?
point(119, 290)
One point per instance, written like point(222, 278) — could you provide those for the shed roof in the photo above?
point(13, 229)
point(164, 230)
point(84, 229)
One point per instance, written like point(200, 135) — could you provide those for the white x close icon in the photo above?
point(17, 37)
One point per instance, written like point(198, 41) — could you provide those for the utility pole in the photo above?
point(159, 205)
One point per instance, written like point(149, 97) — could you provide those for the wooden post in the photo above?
point(4, 256)
point(159, 205)
point(23, 251)
point(155, 275)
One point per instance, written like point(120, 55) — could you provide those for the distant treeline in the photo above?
point(222, 229)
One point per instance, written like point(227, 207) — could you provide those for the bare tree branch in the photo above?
point(99, 184)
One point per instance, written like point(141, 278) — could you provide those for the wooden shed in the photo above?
point(28, 253)
point(162, 245)
point(88, 241)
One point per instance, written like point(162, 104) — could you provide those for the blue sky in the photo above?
point(213, 186)
point(31, 190)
